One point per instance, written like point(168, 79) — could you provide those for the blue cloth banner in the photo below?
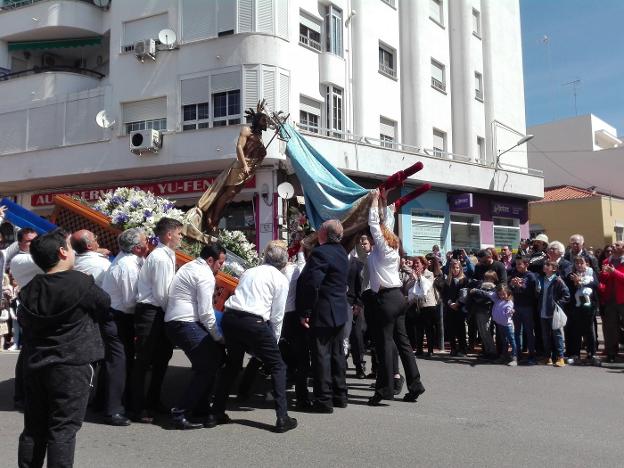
point(22, 218)
point(329, 194)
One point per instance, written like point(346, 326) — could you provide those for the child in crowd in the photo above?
point(480, 306)
point(502, 314)
point(583, 294)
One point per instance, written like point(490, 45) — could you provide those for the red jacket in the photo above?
point(610, 282)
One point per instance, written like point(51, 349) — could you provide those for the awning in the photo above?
point(56, 43)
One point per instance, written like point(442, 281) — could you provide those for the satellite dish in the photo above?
point(103, 120)
point(167, 37)
point(285, 190)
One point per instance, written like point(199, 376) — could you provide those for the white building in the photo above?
point(377, 85)
point(583, 151)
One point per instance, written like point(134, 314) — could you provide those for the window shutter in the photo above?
point(310, 23)
point(226, 15)
point(195, 90)
point(427, 230)
point(310, 106)
point(282, 18)
point(284, 91)
point(144, 28)
point(198, 19)
point(225, 82)
point(268, 87)
point(245, 16)
point(387, 127)
point(251, 87)
point(145, 110)
point(265, 16)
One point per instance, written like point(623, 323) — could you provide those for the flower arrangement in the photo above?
point(130, 207)
point(237, 243)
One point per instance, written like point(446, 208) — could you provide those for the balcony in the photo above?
point(29, 20)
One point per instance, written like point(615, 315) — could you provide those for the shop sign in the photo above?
point(507, 209)
point(162, 188)
point(461, 201)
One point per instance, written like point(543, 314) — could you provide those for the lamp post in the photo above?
point(521, 141)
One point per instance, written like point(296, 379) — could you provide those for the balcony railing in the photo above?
point(308, 41)
point(6, 5)
point(56, 68)
point(439, 85)
point(387, 70)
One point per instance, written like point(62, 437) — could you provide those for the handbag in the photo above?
point(4, 315)
point(559, 318)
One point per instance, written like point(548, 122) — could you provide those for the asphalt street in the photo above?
point(472, 414)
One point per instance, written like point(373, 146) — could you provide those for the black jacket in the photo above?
point(496, 266)
point(322, 286)
point(59, 314)
point(354, 293)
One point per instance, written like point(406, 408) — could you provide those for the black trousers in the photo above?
point(152, 348)
point(206, 357)
point(455, 329)
point(356, 339)
point(55, 406)
point(114, 368)
point(18, 387)
point(125, 333)
point(369, 298)
point(420, 322)
point(245, 332)
point(297, 339)
point(581, 328)
point(389, 324)
point(329, 365)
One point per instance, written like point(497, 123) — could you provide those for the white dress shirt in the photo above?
point(94, 264)
point(190, 296)
point(7, 254)
point(292, 272)
point(156, 277)
point(121, 281)
point(383, 261)
point(23, 268)
point(262, 291)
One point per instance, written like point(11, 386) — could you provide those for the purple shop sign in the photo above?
point(507, 209)
point(461, 201)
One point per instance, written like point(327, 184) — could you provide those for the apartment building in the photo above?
point(375, 85)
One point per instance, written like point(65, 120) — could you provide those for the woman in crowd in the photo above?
point(454, 316)
point(389, 316)
point(424, 298)
point(553, 293)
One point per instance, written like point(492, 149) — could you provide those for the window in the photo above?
point(478, 86)
point(480, 149)
point(195, 116)
point(386, 61)
point(333, 32)
point(465, 232)
point(309, 33)
point(437, 12)
point(438, 80)
point(506, 231)
point(146, 114)
point(427, 230)
point(439, 143)
point(333, 110)
point(387, 132)
point(619, 233)
point(143, 28)
point(226, 108)
point(309, 114)
point(476, 23)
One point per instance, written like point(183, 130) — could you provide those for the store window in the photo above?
point(427, 230)
point(465, 232)
point(619, 233)
point(239, 216)
point(506, 231)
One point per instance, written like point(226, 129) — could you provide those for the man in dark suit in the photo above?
point(322, 304)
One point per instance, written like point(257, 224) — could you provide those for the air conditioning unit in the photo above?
point(145, 48)
point(145, 141)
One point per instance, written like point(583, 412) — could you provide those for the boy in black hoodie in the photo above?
point(59, 311)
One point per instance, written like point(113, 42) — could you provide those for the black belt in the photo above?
point(242, 313)
point(384, 290)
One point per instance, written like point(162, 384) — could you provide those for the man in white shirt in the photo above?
point(252, 322)
point(191, 324)
point(88, 259)
point(120, 282)
point(152, 347)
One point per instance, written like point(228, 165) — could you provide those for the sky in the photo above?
point(584, 41)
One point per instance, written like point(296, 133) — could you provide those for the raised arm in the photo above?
point(240, 145)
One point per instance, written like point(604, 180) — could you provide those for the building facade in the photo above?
point(375, 85)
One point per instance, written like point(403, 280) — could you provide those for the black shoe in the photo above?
point(116, 420)
point(418, 352)
point(209, 421)
point(321, 408)
point(398, 384)
point(375, 400)
point(285, 424)
point(372, 375)
point(360, 374)
point(222, 419)
point(181, 423)
point(143, 417)
point(411, 397)
point(340, 403)
point(304, 405)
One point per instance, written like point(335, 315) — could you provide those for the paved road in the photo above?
point(471, 415)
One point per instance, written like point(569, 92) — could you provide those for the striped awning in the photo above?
point(56, 43)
